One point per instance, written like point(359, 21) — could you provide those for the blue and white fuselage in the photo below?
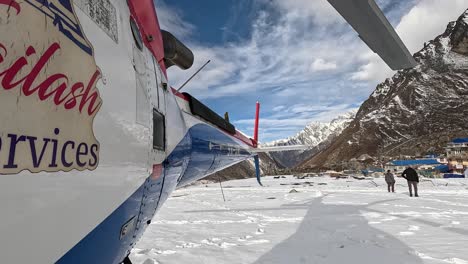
point(92, 138)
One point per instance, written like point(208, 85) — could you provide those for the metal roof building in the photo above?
point(460, 140)
point(417, 162)
point(400, 165)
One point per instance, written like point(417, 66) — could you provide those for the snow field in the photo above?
point(325, 221)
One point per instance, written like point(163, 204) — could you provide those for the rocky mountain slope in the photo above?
point(318, 135)
point(416, 111)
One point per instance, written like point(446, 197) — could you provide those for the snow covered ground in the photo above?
point(325, 221)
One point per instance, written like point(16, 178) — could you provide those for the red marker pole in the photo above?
point(257, 117)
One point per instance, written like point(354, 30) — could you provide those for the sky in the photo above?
point(299, 58)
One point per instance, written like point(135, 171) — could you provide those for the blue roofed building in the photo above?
point(458, 147)
point(423, 164)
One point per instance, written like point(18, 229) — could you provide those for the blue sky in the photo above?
point(297, 57)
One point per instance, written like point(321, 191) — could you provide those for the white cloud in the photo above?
point(290, 49)
point(428, 19)
point(320, 11)
point(301, 54)
point(300, 114)
point(293, 119)
point(279, 108)
point(375, 70)
point(322, 65)
point(171, 19)
point(215, 74)
point(423, 22)
point(287, 51)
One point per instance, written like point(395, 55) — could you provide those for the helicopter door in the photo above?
point(150, 114)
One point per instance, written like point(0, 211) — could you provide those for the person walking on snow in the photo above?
point(390, 179)
point(413, 179)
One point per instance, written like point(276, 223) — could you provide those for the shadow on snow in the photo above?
point(339, 234)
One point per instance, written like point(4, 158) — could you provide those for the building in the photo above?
point(457, 165)
point(421, 164)
point(457, 148)
point(457, 155)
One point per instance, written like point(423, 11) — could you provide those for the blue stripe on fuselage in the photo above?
point(212, 151)
point(204, 150)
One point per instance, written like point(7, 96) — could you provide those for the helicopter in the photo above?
point(93, 138)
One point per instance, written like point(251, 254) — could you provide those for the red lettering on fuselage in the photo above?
point(2, 55)
point(11, 3)
point(69, 95)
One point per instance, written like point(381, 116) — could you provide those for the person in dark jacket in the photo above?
point(413, 179)
point(390, 180)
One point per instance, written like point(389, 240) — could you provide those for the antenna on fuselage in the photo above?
point(195, 74)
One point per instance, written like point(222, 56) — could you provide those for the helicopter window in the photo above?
point(159, 131)
point(136, 34)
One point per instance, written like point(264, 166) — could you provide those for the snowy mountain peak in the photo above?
point(317, 132)
point(464, 17)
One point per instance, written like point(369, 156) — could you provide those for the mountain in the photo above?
point(416, 111)
point(318, 135)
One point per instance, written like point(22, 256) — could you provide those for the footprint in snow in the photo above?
point(244, 238)
point(370, 215)
point(390, 218)
point(150, 261)
point(144, 251)
point(188, 245)
point(216, 242)
point(226, 245)
point(208, 242)
point(456, 261)
point(164, 252)
point(155, 252)
point(257, 242)
point(252, 219)
point(410, 232)
point(260, 231)
point(406, 233)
